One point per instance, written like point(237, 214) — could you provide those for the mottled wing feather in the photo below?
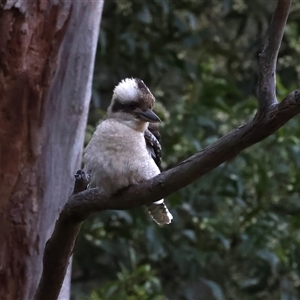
point(153, 146)
point(154, 129)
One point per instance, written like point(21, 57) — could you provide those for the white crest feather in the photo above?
point(127, 90)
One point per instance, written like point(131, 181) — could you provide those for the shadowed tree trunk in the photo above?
point(47, 51)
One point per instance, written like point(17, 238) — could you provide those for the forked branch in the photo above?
point(271, 115)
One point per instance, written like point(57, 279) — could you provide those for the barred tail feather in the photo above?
point(159, 213)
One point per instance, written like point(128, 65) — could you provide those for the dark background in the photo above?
point(235, 233)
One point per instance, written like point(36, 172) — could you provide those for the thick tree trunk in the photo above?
point(47, 53)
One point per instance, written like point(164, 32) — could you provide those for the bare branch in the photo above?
point(58, 251)
point(60, 246)
point(268, 57)
point(271, 116)
point(80, 206)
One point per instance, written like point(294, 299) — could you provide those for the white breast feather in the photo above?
point(123, 159)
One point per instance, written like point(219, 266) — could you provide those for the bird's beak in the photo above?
point(148, 116)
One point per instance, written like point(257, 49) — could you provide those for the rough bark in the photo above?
point(268, 57)
point(47, 53)
point(269, 118)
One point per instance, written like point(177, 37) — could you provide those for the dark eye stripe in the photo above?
point(123, 107)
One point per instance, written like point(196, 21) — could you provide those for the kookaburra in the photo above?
point(125, 149)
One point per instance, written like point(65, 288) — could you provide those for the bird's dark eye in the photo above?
point(117, 106)
point(132, 106)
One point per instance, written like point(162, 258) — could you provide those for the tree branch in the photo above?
point(270, 117)
point(81, 205)
point(268, 56)
point(64, 234)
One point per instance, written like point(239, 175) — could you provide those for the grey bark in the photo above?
point(46, 67)
point(72, 83)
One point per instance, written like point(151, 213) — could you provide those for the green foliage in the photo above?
point(235, 233)
point(140, 283)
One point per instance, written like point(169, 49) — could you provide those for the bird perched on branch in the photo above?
point(125, 148)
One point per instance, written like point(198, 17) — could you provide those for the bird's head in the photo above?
point(132, 104)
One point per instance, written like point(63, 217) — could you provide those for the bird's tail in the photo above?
point(159, 213)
